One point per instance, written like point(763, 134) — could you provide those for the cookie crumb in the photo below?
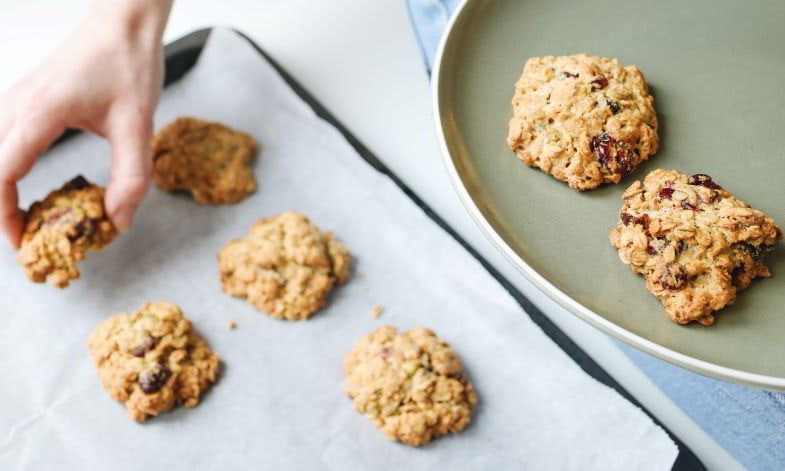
point(231, 325)
point(377, 311)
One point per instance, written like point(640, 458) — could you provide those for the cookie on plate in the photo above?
point(151, 360)
point(62, 229)
point(586, 120)
point(210, 160)
point(285, 266)
point(695, 243)
point(409, 384)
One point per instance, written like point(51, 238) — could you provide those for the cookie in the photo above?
point(210, 160)
point(151, 360)
point(694, 242)
point(285, 266)
point(61, 230)
point(409, 384)
point(586, 120)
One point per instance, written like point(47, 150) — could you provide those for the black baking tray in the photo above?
point(182, 54)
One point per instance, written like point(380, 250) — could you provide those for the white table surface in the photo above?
point(362, 61)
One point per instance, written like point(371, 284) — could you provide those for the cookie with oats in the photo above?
point(152, 359)
point(209, 160)
point(585, 120)
point(285, 266)
point(693, 241)
point(61, 230)
point(410, 384)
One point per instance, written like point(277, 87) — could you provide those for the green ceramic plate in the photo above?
point(717, 70)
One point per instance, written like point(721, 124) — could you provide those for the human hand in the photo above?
point(105, 79)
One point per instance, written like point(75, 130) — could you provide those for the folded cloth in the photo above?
point(747, 422)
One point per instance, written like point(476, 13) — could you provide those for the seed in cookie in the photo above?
point(409, 384)
point(585, 120)
point(62, 229)
point(694, 242)
point(285, 266)
point(210, 160)
point(151, 359)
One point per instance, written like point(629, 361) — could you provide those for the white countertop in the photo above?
point(361, 60)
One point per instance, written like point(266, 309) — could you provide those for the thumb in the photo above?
point(131, 169)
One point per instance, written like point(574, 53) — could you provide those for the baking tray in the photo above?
point(182, 54)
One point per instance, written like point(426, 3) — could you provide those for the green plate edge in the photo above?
point(484, 210)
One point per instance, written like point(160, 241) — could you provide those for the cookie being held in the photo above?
point(693, 241)
point(151, 360)
point(585, 120)
point(285, 266)
point(409, 384)
point(209, 160)
point(62, 229)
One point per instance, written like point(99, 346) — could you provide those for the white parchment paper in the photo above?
point(279, 403)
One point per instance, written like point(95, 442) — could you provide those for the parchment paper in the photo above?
point(279, 403)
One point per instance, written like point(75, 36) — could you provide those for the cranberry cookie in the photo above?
point(586, 120)
point(151, 360)
point(61, 229)
point(409, 384)
point(694, 243)
point(285, 266)
point(210, 160)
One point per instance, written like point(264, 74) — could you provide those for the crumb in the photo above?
point(231, 325)
point(377, 311)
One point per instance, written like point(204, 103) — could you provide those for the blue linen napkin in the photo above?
point(747, 422)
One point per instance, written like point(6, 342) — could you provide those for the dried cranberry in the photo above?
point(599, 83)
point(689, 206)
point(625, 163)
point(602, 145)
point(614, 106)
point(674, 276)
point(666, 193)
point(148, 344)
point(153, 379)
point(612, 154)
point(701, 179)
point(86, 226)
point(738, 271)
point(757, 252)
point(651, 251)
point(628, 219)
point(570, 75)
point(77, 183)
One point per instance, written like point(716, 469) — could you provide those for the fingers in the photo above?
point(21, 145)
point(131, 168)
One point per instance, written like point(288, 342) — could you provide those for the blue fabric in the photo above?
point(748, 423)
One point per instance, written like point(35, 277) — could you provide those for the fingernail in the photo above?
point(123, 218)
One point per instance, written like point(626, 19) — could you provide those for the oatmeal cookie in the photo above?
point(210, 160)
point(586, 120)
point(694, 243)
point(285, 266)
point(151, 360)
point(61, 229)
point(409, 384)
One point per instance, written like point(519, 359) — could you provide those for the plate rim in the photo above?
point(541, 283)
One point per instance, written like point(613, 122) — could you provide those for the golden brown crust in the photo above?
point(210, 160)
point(586, 120)
point(694, 242)
point(285, 266)
point(151, 360)
point(62, 229)
point(410, 385)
